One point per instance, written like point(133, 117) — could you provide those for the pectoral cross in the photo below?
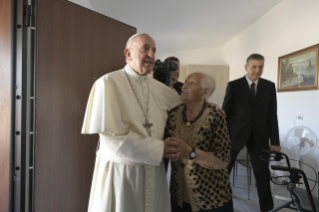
point(148, 126)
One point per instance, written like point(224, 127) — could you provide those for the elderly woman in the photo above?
point(199, 146)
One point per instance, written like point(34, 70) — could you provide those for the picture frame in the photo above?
point(299, 70)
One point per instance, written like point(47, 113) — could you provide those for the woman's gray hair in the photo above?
point(207, 81)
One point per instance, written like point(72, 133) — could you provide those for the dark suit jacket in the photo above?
point(178, 87)
point(245, 116)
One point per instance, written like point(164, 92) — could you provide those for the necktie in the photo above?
point(253, 90)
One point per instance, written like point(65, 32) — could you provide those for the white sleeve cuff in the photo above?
point(142, 149)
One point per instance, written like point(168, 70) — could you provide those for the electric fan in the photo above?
point(301, 142)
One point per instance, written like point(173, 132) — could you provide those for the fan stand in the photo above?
point(300, 163)
point(300, 167)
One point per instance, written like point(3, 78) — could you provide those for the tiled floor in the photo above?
point(240, 196)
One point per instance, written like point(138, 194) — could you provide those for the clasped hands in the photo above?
point(176, 149)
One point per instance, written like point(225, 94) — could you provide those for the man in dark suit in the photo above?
point(251, 108)
point(175, 74)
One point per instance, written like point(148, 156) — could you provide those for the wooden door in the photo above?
point(5, 101)
point(75, 46)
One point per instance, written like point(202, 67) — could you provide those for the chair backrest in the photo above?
point(242, 154)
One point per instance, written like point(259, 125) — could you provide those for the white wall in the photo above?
point(83, 3)
point(208, 56)
point(290, 26)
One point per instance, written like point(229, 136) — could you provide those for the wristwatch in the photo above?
point(192, 155)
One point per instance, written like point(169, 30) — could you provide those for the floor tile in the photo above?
point(236, 202)
point(249, 205)
point(239, 209)
point(240, 196)
point(241, 193)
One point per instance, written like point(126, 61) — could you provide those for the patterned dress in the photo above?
point(202, 188)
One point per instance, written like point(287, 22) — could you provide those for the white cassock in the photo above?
point(129, 174)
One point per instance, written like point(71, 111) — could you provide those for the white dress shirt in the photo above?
point(251, 82)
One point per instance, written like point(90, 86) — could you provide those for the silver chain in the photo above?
point(147, 125)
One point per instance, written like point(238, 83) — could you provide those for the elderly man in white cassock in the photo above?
point(128, 110)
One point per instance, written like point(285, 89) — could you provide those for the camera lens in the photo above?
point(162, 77)
point(162, 72)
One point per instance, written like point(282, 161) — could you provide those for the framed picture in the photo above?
point(299, 70)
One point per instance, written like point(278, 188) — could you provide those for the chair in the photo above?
point(301, 199)
point(244, 162)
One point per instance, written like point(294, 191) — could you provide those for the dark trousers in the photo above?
point(228, 207)
point(262, 176)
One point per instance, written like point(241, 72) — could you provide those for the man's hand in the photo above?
point(167, 145)
point(275, 148)
point(217, 108)
point(175, 149)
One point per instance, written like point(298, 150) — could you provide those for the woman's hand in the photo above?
point(176, 149)
point(167, 145)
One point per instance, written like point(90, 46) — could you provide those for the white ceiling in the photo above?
point(179, 25)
